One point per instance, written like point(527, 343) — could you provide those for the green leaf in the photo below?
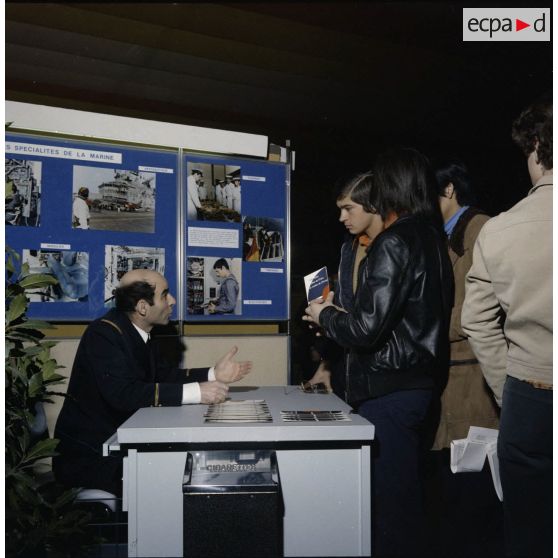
point(54, 380)
point(34, 350)
point(16, 309)
point(30, 335)
point(8, 346)
point(49, 368)
point(35, 384)
point(36, 324)
point(44, 448)
point(10, 267)
point(38, 280)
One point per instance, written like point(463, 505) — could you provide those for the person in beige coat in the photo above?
point(507, 314)
point(466, 498)
point(466, 400)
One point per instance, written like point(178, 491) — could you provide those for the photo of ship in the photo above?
point(128, 191)
point(119, 199)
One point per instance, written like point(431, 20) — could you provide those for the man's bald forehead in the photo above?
point(144, 275)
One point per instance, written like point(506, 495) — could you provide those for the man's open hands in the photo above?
point(229, 371)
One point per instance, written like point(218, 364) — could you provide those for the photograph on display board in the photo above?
point(121, 259)
point(23, 193)
point(69, 267)
point(213, 286)
point(262, 239)
point(214, 192)
point(113, 199)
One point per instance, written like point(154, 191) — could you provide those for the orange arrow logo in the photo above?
point(519, 25)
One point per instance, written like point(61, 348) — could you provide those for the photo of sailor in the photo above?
point(70, 268)
point(113, 199)
point(263, 239)
point(80, 209)
point(220, 195)
point(235, 194)
point(213, 192)
point(192, 186)
point(121, 259)
point(23, 193)
point(213, 286)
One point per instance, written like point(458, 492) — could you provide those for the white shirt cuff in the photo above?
point(191, 394)
point(211, 374)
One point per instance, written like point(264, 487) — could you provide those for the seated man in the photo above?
point(117, 371)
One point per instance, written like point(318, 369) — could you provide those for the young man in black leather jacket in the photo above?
point(397, 336)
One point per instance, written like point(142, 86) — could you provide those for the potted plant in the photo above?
point(40, 517)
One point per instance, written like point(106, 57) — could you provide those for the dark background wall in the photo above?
point(342, 80)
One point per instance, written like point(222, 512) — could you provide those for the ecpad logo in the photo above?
point(506, 24)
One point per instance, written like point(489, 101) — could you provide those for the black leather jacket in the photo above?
point(397, 332)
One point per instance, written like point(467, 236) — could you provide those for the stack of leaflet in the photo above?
point(469, 454)
point(246, 410)
point(314, 416)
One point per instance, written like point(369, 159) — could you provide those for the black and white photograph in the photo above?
point(213, 286)
point(263, 239)
point(214, 192)
point(113, 199)
point(23, 193)
point(121, 259)
point(71, 268)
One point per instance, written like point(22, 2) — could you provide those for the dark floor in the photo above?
point(465, 517)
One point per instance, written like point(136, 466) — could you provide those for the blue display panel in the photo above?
point(235, 228)
point(87, 213)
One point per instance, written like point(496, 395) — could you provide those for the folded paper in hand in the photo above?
point(468, 455)
point(317, 284)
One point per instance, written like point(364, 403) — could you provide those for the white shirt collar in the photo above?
point(144, 334)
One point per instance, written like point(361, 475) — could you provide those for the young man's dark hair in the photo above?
point(221, 262)
point(405, 184)
point(455, 171)
point(358, 190)
point(534, 125)
point(127, 297)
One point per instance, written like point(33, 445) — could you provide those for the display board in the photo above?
point(87, 213)
point(235, 238)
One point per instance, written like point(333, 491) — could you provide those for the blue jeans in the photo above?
point(398, 525)
point(525, 456)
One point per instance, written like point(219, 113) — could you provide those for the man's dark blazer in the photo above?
point(115, 373)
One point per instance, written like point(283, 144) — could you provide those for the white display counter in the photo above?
point(324, 469)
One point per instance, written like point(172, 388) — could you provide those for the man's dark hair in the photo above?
point(358, 190)
point(83, 192)
point(127, 297)
point(455, 171)
point(221, 262)
point(405, 184)
point(535, 124)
